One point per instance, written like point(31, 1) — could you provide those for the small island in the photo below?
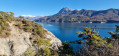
point(48, 25)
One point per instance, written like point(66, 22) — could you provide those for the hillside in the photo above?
point(20, 37)
point(69, 15)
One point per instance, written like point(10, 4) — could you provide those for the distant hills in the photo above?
point(30, 17)
point(69, 15)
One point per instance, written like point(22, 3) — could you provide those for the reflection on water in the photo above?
point(67, 31)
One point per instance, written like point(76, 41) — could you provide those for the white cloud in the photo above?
point(31, 17)
point(28, 16)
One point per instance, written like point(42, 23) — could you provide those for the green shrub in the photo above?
point(7, 34)
point(29, 52)
point(1, 17)
point(1, 30)
point(19, 25)
point(26, 25)
point(21, 17)
point(27, 29)
point(46, 52)
point(31, 26)
point(39, 31)
point(39, 52)
point(4, 26)
point(34, 33)
point(66, 49)
point(9, 18)
point(41, 41)
point(95, 45)
point(11, 14)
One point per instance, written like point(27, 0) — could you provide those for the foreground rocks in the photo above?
point(19, 41)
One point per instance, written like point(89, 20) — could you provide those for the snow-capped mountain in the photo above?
point(31, 17)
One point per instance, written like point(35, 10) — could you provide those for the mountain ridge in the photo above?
point(69, 15)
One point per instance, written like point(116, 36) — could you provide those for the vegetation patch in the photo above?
point(30, 26)
point(41, 41)
point(5, 17)
point(29, 52)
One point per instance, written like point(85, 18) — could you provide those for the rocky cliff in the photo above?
point(19, 41)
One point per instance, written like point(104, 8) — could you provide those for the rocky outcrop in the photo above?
point(19, 41)
point(55, 41)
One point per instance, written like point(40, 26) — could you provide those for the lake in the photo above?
point(67, 31)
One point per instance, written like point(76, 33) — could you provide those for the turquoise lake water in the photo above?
point(67, 31)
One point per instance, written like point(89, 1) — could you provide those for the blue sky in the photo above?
point(50, 7)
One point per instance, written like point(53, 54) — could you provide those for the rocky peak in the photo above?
point(65, 10)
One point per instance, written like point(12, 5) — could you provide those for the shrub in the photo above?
point(1, 30)
point(39, 31)
point(1, 17)
point(9, 18)
point(21, 17)
point(19, 25)
point(34, 33)
point(46, 52)
point(66, 49)
point(7, 34)
point(29, 52)
point(95, 45)
point(38, 52)
point(27, 29)
point(4, 26)
point(41, 41)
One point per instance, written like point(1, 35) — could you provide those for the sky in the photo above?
point(50, 7)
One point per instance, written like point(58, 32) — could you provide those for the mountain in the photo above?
point(68, 15)
point(31, 17)
point(65, 10)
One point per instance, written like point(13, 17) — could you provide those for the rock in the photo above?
point(19, 41)
point(54, 40)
